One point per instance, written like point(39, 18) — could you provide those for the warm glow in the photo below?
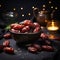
point(45, 20)
point(52, 7)
point(22, 15)
point(14, 9)
point(43, 8)
point(51, 36)
point(49, 2)
point(43, 5)
point(56, 8)
point(53, 27)
point(21, 8)
point(33, 7)
point(29, 14)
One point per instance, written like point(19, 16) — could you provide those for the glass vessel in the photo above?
point(52, 26)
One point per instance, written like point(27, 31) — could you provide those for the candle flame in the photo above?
point(53, 27)
point(52, 23)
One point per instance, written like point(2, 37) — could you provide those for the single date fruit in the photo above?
point(36, 24)
point(27, 22)
point(7, 35)
point(37, 46)
point(44, 36)
point(15, 31)
point(14, 24)
point(37, 29)
point(6, 43)
point(32, 49)
point(47, 48)
point(25, 29)
point(18, 27)
point(9, 50)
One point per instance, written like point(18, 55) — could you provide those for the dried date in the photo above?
point(6, 43)
point(9, 50)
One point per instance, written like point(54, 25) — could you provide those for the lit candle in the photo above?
point(53, 27)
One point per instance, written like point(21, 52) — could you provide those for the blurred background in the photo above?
point(23, 9)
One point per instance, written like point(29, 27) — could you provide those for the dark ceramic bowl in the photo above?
point(25, 37)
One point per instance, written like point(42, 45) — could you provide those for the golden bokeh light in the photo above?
point(22, 15)
point(14, 9)
point(29, 14)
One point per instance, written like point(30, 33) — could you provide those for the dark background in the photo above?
point(8, 5)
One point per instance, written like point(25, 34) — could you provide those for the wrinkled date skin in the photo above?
point(27, 26)
point(47, 48)
point(12, 25)
point(6, 43)
point(37, 46)
point(15, 31)
point(7, 35)
point(32, 49)
point(18, 27)
point(37, 29)
point(9, 50)
point(27, 22)
point(35, 24)
point(25, 29)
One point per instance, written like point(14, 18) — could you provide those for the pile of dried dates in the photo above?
point(27, 26)
point(34, 48)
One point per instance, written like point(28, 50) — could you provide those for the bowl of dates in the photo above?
point(25, 31)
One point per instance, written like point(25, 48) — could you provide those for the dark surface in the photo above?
point(22, 54)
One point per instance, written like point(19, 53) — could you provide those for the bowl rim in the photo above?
point(24, 33)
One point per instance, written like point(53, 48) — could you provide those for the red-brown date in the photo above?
point(15, 31)
point(36, 24)
point(7, 35)
point(37, 46)
point(12, 25)
point(44, 36)
point(27, 22)
point(6, 43)
point(18, 27)
point(25, 29)
point(9, 50)
point(47, 48)
point(32, 49)
point(37, 29)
